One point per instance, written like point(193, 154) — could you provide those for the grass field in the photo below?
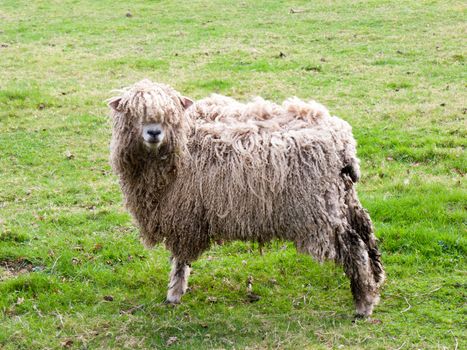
point(73, 273)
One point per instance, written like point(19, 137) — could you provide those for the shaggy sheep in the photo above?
point(220, 169)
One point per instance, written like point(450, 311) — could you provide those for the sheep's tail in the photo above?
point(361, 223)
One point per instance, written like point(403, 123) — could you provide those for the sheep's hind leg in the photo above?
point(178, 281)
point(357, 265)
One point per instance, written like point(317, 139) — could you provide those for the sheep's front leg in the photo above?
point(178, 281)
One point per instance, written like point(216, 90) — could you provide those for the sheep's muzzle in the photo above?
point(153, 134)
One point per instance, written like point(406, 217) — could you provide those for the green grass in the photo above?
point(394, 69)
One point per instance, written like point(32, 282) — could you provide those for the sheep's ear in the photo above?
point(186, 102)
point(114, 103)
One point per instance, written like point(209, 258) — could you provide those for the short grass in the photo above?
point(73, 273)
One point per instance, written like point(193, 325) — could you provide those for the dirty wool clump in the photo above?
point(192, 173)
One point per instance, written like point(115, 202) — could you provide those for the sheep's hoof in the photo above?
point(359, 317)
point(252, 297)
point(364, 312)
point(171, 303)
point(364, 308)
point(174, 298)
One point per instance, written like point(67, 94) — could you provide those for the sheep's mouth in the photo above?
point(152, 141)
point(152, 144)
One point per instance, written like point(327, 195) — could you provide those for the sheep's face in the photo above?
point(151, 112)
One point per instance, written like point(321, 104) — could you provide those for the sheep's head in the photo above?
point(149, 111)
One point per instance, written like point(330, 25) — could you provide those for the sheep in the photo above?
point(195, 172)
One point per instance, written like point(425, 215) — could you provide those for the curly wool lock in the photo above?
point(221, 169)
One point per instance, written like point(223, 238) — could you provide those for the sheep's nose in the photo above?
point(154, 133)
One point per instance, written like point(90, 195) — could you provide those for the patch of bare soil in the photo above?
point(13, 268)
